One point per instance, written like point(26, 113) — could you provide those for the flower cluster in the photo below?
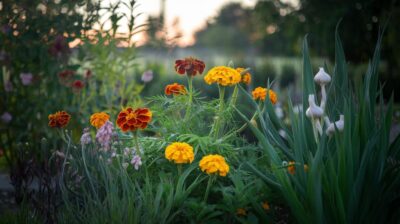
point(99, 119)
point(260, 93)
point(222, 75)
point(214, 164)
point(191, 66)
point(246, 77)
point(59, 119)
point(104, 134)
point(131, 120)
point(86, 138)
point(179, 152)
point(175, 89)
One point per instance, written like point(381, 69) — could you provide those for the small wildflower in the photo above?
point(59, 119)
point(86, 138)
point(136, 162)
point(26, 78)
point(291, 167)
point(104, 134)
point(6, 117)
point(191, 66)
point(147, 76)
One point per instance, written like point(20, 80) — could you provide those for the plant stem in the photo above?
point(218, 122)
point(210, 181)
point(234, 95)
point(136, 140)
point(179, 170)
point(189, 107)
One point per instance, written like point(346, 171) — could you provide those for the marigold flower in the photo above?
point(241, 212)
point(214, 164)
point(191, 66)
point(99, 119)
point(175, 89)
point(77, 85)
point(222, 75)
point(179, 152)
point(260, 93)
point(265, 205)
point(246, 77)
point(59, 119)
point(131, 120)
point(292, 167)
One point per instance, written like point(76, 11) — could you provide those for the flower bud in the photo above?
point(322, 78)
point(339, 125)
point(313, 110)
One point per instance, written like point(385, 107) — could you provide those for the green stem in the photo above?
point(179, 170)
point(189, 107)
point(136, 140)
point(234, 95)
point(210, 181)
point(218, 122)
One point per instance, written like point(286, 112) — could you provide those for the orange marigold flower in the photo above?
point(224, 76)
point(191, 66)
point(260, 93)
point(131, 120)
point(241, 212)
point(59, 119)
point(99, 119)
point(179, 152)
point(291, 167)
point(265, 205)
point(214, 164)
point(175, 89)
point(246, 77)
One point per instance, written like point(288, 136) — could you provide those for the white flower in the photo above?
point(26, 78)
point(339, 125)
point(147, 76)
point(322, 78)
point(313, 110)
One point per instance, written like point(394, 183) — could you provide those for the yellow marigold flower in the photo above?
point(260, 93)
point(179, 152)
point(265, 205)
point(99, 119)
point(214, 164)
point(241, 212)
point(222, 75)
point(246, 77)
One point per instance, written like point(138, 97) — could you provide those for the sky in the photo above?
point(192, 14)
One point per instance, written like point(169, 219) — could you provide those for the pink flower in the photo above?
point(147, 76)
point(6, 117)
point(104, 134)
point(26, 78)
point(136, 162)
point(85, 138)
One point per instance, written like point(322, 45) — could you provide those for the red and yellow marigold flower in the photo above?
point(179, 153)
point(175, 89)
point(246, 77)
point(260, 93)
point(131, 120)
point(214, 164)
point(59, 119)
point(222, 75)
point(189, 66)
point(99, 119)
